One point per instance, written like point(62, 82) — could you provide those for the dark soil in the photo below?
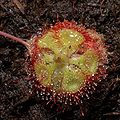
point(23, 18)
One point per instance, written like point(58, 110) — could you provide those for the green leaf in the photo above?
point(73, 79)
point(88, 62)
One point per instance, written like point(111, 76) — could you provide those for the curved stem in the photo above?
point(15, 39)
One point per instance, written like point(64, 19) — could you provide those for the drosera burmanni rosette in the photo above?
point(68, 60)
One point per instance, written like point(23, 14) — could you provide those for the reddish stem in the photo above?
point(15, 38)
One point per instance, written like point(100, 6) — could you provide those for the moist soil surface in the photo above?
point(24, 18)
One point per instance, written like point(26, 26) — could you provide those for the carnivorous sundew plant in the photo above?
point(67, 59)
